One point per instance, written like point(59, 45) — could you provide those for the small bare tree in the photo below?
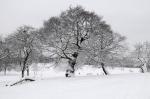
point(142, 54)
point(4, 51)
point(4, 55)
point(22, 45)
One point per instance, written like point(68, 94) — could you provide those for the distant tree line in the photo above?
point(76, 35)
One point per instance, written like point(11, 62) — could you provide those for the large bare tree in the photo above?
point(105, 46)
point(79, 32)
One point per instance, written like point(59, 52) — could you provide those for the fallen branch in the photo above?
point(21, 81)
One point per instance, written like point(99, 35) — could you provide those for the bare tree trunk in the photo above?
point(24, 64)
point(23, 68)
point(70, 72)
point(5, 70)
point(72, 63)
point(142, 69)
point(28, 73)
point(103, 68)
point(22, 73)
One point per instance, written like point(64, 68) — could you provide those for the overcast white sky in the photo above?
point(128, 17)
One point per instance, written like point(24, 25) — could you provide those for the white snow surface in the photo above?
point(124, 86)
point(89, 70)
point(50, 84)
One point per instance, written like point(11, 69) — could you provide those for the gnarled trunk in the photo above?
point(70, 72)
point(72, 63)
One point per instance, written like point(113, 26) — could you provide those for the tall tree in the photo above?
point(77, 31)
point(22, 45)
point(105, 46)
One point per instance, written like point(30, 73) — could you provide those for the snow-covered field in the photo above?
point(130, 85)
point(124, 86)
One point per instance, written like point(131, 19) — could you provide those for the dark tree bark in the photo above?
point(28, 71)
point(72, 63)
point(141, 66)
point(22, 73)
point(70, 72)
point(24, 63)
point(142, 70)
point(103, 68)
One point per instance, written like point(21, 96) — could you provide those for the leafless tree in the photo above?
point(142, 54)
point(105, 46)
point(22, 45)
point(4, 55)
point(4, 51)
point(77, 31)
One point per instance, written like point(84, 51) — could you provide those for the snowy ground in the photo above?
point(130, 85)
point(124, 86)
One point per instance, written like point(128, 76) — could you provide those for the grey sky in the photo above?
point(128, 17)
